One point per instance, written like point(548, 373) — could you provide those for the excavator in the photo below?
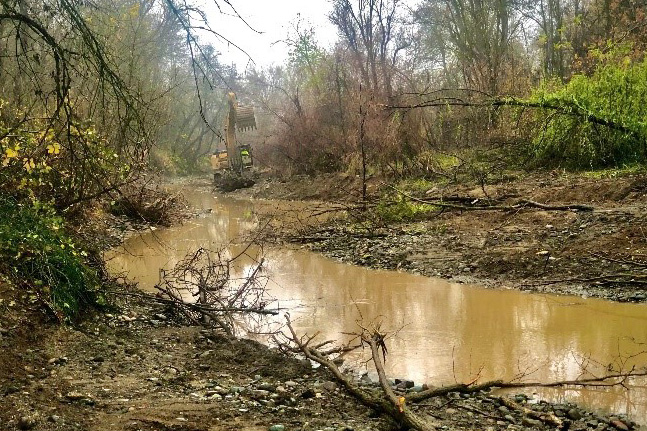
point(235, 158)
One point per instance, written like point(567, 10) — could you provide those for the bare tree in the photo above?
point(478, 34)
point(373, 31)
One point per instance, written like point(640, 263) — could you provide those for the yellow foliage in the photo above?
point(29, 164)
point(54, 148)
point(134, 10)
point(12, 152)
point(401, 402)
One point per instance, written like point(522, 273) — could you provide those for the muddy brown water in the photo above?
point(443, 332)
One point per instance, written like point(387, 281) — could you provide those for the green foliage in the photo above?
point(415, 186)
point(400, 208)
point(601, 120)
point(619, 172)
point(38, 254)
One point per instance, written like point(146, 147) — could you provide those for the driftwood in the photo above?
point(606, 279)
point(547, 418)
point(394, 406)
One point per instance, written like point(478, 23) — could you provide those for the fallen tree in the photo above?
point(472, 204)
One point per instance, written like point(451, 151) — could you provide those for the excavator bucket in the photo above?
point(245, 118)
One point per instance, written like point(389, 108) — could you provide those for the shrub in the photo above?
point(400, 208)
point(573, 135)
point(37, 254)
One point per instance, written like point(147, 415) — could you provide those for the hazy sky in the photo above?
point(274, 19)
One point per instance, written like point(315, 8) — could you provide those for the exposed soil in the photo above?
point(600, 253)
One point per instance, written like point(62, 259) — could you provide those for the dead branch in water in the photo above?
point(391, 404)
point(398, 405)
point(203, 290)
point(630, 278)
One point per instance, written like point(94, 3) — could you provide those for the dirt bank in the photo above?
point(599, 253)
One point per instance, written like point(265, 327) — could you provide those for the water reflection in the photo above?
point(446, 332)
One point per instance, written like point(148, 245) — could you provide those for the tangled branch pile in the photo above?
point(204, 290)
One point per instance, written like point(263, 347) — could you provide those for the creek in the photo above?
point(444, 332)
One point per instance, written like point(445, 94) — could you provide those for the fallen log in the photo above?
point(398, 406)
point(476, 205)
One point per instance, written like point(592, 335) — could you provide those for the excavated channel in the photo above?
point(443, 332)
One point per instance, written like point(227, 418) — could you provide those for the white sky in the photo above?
point(274, 18)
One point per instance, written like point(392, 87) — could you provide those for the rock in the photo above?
point(267, 387)
point(404, 384)
point(528, 422)
point(26, 422)
point(54, 418)
point(277, 427)
point(451, 411)
point(329, 386)
point(366, 379)
point(259, 393)
point(574, 414)
point(290, 384)
point(509, 418)
point(503, 409)
point(74, 396)
point(618, 424)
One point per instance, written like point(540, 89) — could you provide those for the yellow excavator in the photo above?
point(235, 158)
